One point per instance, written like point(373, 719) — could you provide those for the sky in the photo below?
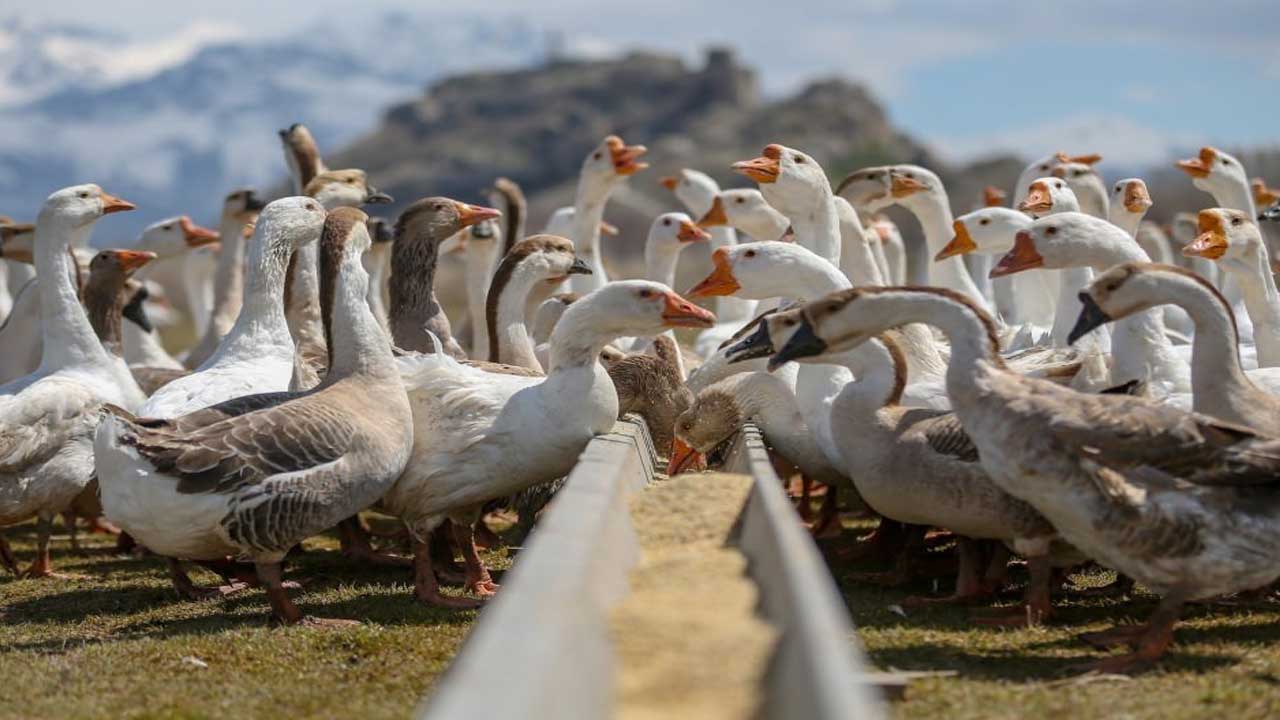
point(1135, 81)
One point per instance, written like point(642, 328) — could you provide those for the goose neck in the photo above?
point(588, 212)
point(65, 330)
point(509, 340)
point(936, 221)
point(1216, 372)
point(262, 320)
point(228, 276)
point(818, 228)
point(412, 285)
point(357, 344)
point(1257, 285)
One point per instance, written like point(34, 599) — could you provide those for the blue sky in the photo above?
point(1136, 81)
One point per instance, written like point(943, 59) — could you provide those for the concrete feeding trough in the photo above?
point(542, 648)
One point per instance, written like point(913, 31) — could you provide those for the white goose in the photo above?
point(256, 475)
point(746, 211)
point(47, 419)
point(603, 170)
point(795, 184)
point(480, 436)
point(239, 210)
point(21, 327)
point(480, 248)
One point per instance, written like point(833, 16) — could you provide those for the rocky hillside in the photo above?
point(536, 125)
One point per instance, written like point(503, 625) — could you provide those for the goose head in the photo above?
point(1132, 195)
point(1263, 196)
point(1215, 172)
point(174, 236)
point(301, 154)
point(549, 258)
point(17, 242)
point(713, 418)
point(638, 308)
point(876, 188)
point(1087, 183)
point(110, 269)
point(1049, 195)
point(548, 314)
point(1130, 288)
point(290, 222)
point(671, 232)
point(344, 188)
point(1043, 167)
point(746, 210)
point(439, 218)
point(1226, 236)
point(695, 189)
point(380, 230)
point(610, 162)
point(993, 196)
point(242, 205)
point(1063, 240)
point(79, 206)
point(792, 181)
point(758, 270)
point(989, 230)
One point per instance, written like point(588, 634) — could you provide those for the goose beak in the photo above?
point(763, 169)
point(683, 456)
point(756, 345)
point(993, 196)
point(1209, 245)
point(803, 343)
point(1023, 256)
point(131, 260)
point(669, 182)
point(1199, 167)
point(679, 312)
point(607, 229)
point(716, 216)
point(194, 235)
point(1038, 200)
point(902, 186)
point(253, 203)
point(691, 233)
point(1089, 159)
point(961, 244)
point(1264, 196)
point(469, 215)
point(579, 267)
point(721, 280)
point(113, 204)
point(1091, 317)
point(377, 197)
point(136, 312)
point(1136, 198)
point(625, 157)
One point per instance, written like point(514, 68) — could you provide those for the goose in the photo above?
point(1140, 347)
point(1222, 388)
point(701, 196)
point(921, 192)
point(1232, 239)
point(538, 260)
point(6, 292)
point(746, 211)
point(47, 418)
point(796, 185)
point(1181, 502)
point(239, 210)
point(108, 290)
point(1044, 166)
point(479, 246)
point(21, 333)
point(302, 158)
point(669, 235)
point(912, 465)
point(256, 475)
point(377, 263)
point(416, 316)
point(1223, 176)
point(652, 386)
point(1130, 201)
point(1183, 230)
point(547, 315)
point(603, 171)
point(481, 436)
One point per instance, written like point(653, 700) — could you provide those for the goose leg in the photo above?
point(828, 522)
point(125, 544)
point(283, 611)
point(997, 568)
point(188, 590)
point(69, 520)
point(42, 566)
point(426, 589)
point(354, 539)
point(7, 559)
point(969, 585)
point(1036, 603)
point(1149, 645)
point(478, 579)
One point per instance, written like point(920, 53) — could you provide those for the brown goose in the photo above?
point(258, 474)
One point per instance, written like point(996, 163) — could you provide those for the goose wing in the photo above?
point(37, 422)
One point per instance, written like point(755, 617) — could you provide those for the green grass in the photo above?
point(118, 644)
point(1225, 662)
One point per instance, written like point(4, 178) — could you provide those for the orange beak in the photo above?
point(669, 182)
point(1263, 195)
point(993, 196)
point(1136, 198)
point(1199, 167)
point(471, 214)
point(682, 313)
point(721, 280)
point(715, 217)
point(682, 457)
point(961, 244)
point(607, 229)
point(195, 235)
point(1023, 256)
point(1211, 243)
point(624, 156)
point(763, 169)
point(1090, 159)
point(691, 233)
point(113, 204)
point(131, 260)
point(903, 186)
point(1038, 199)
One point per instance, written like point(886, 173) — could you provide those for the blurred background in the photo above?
point(171, 105)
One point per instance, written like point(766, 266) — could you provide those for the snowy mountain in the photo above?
point(174, 123)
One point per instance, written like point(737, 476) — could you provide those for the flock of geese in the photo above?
point(1073, 385)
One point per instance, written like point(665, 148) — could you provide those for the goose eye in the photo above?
point(1044, 167)
point(910, 175)
point(1226, 161)
point(667, 222)
point(351, 181)
point(310, 206)
point(84, 194)
point(596, 156)
point(168, 227)
point(1059, 186)
point(750, 253)
point(799, 160)
point(789, 322)
point(646, 294)
point(1051, 231)
point(739, 201)
point(984, 221)
point(1235, 221)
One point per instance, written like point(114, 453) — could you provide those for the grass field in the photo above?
point(118, 644)
point(1225, 662)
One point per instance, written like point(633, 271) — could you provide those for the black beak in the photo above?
point(804, 343)
point(1091, 317)
point(134, 311)
point(579, 267)
point(756, 345)
point(1272, 213)
point(253, 203)
point(381, 231)
point(377, 197)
